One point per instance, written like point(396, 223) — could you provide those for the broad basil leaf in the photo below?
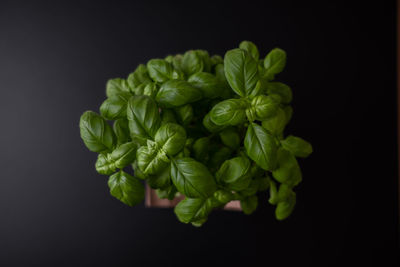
point(184, 114)
point(114, 107)
point(97, 135)
point(104, 164)
point(261, 146)
point(249, 204)
point(121, 157)
point(229, 112)
point(171, 138)
point(234, 174)
point(210, 125)
point(160, 180)
point(151, 90)
point(251, 48)
point(288, 170)
point(241, 71)
point(195, 209)
point(205, 58)
point(264, 107)
point(192, 178)
point(274, 62)
point(143, 116)
point(280, 89)
point(287, 202)
point(276, 124)
point(200, 148)
point(138, 77)
point(160, 70)
point(126, 188)
point(299, 147)
point(150, 159)
point(207, 83)
point(121, 130)
point(177, 93)
point(191, 63)
point(230, 137)
point(116, 86)
point(223, 196)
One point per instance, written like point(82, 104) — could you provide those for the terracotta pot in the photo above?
point(152, 200)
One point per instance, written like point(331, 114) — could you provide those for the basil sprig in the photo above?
point(208, 127)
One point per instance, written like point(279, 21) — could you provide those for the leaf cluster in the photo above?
point(207, 127)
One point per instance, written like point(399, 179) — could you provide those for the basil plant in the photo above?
point(206, 127)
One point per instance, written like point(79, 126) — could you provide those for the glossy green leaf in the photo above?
point(121, 157)
point(97, 135)
point(261, 146)
point(265, 107)
point(143, 116)
point(207, 83)
point(114, 107)
point(151, 160)
point(160, 70)
point(298, 146)
point(126, 188)
point(223, 196)
point(200, 148)
point(184, 114)
point(191, 63)
point(281, 89)
point(229, 112)
point(160, 180)
point(287, 202)
point(241, 71)
point(210, 125)
point(230, 137)
point(116, 86)
point(195, 209)
point(249, 204)
point(171, 138)
point(139, 77)
point(177, 93)
point(220, 156)
point(151, 90)
point(276, 124)
point(274, 62)
point(288, 170)
point(121, 130)
point(192, 178)
point(251, 48)
point(104, 165)
point(234, 173)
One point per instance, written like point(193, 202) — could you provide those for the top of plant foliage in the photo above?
point(210, 128)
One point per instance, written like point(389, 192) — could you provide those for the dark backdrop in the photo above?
point(55, 59)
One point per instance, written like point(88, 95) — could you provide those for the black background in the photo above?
point(55, 59)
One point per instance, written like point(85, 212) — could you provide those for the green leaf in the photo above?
point(288, 170)
point(216, 59)
point(207, 83)
point(273, 193)
point(126, 188)
point(264, 107)
point(116, 86)
point(241, 71)
point(184, 114)
point(287, 202)
point(261, 147)
point(230, 137)
point(220, 156)
point(249, 204)
point(200, 148)
point(191, 63)
point(121, 130)
point(171, 138)
point(229, 112)
point(205, 58)
point(97, 135)
point(280, 89)
point(168, 193)
point(121, 157)
point(223, 196)
point(143, 116)
point(276, 124)
point(288, 114)
point(210, 125)
point(151, 90)
point(175, 93)
point(139, 77)
point(150, 159)
point(114, 107)
point(195, 209)
point(299, 147)
point(192, 178)
point(251, 48)
point(160, 180)
point(234, 174)
point(274, 62)
point(160, 70)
